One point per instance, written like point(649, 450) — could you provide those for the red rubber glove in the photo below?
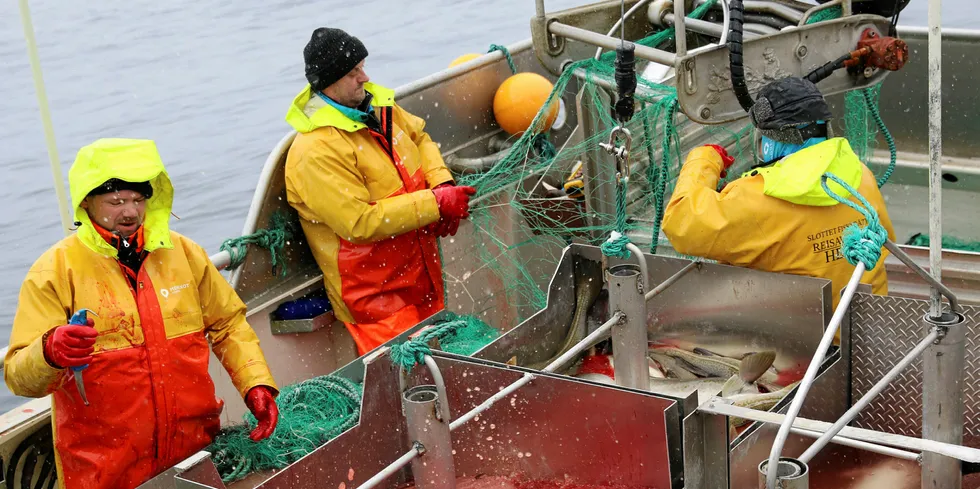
point(726, 160)
point(453, 201)
point(70, 345)
point(262, 403)
point(445, 226)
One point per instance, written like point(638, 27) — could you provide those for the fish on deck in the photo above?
point(749, 381)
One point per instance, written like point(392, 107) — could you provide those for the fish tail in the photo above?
point(734, 385)
point(756, 365)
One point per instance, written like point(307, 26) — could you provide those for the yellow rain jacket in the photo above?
point(152, 402)
point(777, 219)
point(365, 210)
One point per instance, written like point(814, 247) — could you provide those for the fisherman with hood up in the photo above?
point(372, 192)
point(777, 217)
point(157, 305)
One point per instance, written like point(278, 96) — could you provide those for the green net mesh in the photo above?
point(315, 411)
point(949, 243)
point(311, 413)
point(462, 335)
point(656, 149)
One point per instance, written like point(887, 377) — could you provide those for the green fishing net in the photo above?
point(315, 411)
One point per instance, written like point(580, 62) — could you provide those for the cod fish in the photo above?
point(705, 363)
point(600, 368)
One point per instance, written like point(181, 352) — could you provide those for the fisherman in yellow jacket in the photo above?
point(159, 305)
point(777, 217)
point(372, 192)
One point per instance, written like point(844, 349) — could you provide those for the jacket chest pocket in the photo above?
point(381, 176)
point(181, 313)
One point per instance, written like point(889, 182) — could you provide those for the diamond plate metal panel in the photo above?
point(884, 329)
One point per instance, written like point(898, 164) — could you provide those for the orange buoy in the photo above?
point(462, 59)
point(518, 100)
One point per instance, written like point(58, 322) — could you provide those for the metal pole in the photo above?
point(392, 468)
point(435, 469)
point(862, 445)
point(811, 372)
point(539, 9)
point(42, 105)
point(419, 449)
point(721, 407)
point(641, 261)
point(903, 257)
point(629, 336)
point(942, 399)
point(610, 43)
point(221, 260)
point(521, 382)
point(680, 33)
point(510, 389)
point(862, 403)
point(586, 343)
point(634, 8)
point(673, 278)
point(935, 153)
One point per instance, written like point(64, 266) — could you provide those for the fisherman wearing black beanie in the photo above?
point(330, 55)
point(372, 192)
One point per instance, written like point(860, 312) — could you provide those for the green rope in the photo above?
point(829, 13)
point(461, 335)
point(503, 49)
point(949, 243)
point(892, 149)
point(311, 413)
point(273, 239)
point(860, 244)
point(616, 244)
point(659, 202)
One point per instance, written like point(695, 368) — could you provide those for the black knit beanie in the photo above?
point(331, 54)
point(115, 185)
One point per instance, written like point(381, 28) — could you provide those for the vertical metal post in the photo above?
point(942, 363)
point(680, 32)
point(705, 450)
point(942, 399)
point(935, 152)
point(792, 474)
point(539, 8)
point(629, 336)
point(434, 469)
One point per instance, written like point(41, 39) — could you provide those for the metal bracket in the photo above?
point(620, 152)
point(707, 97)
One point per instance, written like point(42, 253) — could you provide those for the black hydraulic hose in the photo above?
point(827, 69)
point(735, 55)
point(625, 81)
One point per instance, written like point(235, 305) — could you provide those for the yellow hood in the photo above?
point(324, 115)
point(131, 160)
point(796, 178)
